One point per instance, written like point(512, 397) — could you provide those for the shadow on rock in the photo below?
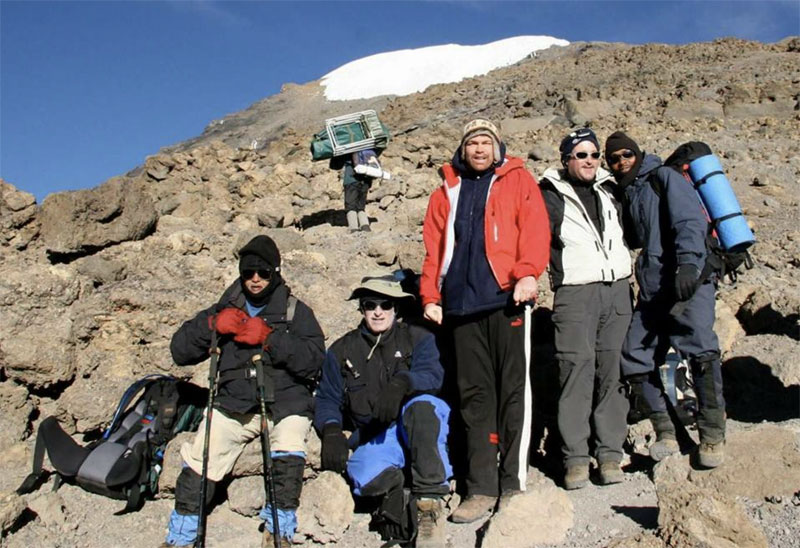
point(333, 217)
point(646, 516)
point(754, 394)
point(766, 320)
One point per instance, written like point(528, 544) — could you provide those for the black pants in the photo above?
point(355, 195)
point(493, 379)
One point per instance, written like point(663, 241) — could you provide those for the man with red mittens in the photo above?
point(251, 318)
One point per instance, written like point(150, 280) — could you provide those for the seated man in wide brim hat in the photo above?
point(379, 380)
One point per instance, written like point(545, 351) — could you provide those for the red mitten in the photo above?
point(254, 332)
point(229, 321)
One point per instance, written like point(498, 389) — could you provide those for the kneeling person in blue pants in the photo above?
point(379, 380)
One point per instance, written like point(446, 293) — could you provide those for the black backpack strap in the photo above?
point(34, 480)
point(135, 499)
point(166, 399)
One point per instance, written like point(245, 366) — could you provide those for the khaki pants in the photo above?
point(230, 432)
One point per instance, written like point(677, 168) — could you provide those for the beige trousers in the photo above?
point(230, 432)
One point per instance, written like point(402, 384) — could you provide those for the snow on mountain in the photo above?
point(409, 71)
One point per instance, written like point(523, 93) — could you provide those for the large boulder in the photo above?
point(16, 416)
point(17, 213)
point(762, 462)
point(541, 515)
point(326, 508)
point(81, 221)
point(692, 515)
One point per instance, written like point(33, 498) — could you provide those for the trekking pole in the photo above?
point(200, 541)
point(266, 394)
point(527, 397)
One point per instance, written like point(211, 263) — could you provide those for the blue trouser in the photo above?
point(653, 330)
point(418, 439)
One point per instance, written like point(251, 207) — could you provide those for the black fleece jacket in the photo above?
point(294, 354)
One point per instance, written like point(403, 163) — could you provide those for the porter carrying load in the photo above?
point(349, 133)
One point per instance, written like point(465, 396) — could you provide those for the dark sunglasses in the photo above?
point(584, 155)
point(369, 306)
point(614, 158)
point(263, 273)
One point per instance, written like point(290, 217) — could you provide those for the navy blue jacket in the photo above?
point(670, 228)
point(351, 383)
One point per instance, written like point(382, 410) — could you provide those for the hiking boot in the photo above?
point(365, 228)
point(576, 477)
point(430, 523)
point(610, 472)
point(665, 444)
point(711, 455)
point(473, 508)
point(506, 497)
point(663, 448)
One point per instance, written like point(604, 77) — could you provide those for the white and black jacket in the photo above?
point(579, 254)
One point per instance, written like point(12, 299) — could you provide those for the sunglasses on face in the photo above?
point(614, 158)
point(369, 306)
point(263, 273)
point(584, 155)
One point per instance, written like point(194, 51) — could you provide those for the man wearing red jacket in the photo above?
point(487, 240)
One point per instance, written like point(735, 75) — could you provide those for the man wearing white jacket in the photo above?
point(589, 270)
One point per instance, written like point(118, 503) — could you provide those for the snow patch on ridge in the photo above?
point(409, 71)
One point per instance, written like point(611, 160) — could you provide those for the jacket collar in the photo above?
point(276, 305)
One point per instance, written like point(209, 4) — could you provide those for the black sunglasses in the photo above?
point(263, 273)
point(369, 306)
point(614, 158)
point(584, 155)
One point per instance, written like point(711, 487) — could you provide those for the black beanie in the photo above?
point(572, 140)
point(260, 248)
point(619, 141)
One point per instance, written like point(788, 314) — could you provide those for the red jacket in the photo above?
point(517, 228)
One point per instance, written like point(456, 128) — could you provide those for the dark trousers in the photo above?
point(691, 334)
point(355, 195)
point(590, 323)
point(493, 380)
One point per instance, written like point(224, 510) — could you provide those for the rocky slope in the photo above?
point(93, 283)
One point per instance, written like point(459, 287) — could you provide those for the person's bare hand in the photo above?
point(525, 290)
point(433, 312)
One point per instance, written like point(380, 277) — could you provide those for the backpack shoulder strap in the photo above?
point(656, 183)
point(291, 306)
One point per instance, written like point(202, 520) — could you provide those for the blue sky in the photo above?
point(89, 89)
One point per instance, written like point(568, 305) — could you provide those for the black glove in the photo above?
point(390, 397)
point(334, 448)
point(686, 281)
